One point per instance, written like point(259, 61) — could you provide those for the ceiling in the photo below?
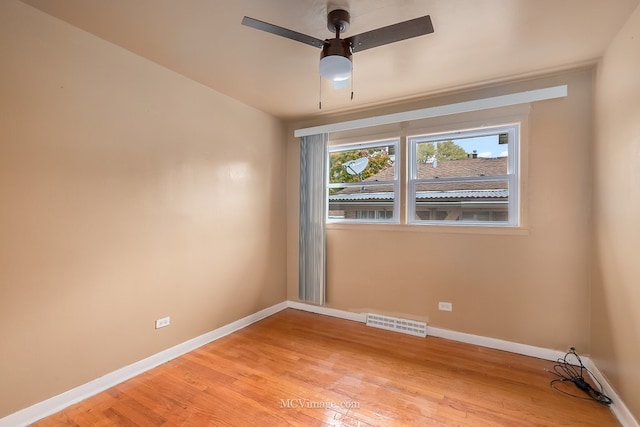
point(475, 42)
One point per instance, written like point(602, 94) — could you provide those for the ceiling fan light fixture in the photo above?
point(335, 60)
point(336, 68)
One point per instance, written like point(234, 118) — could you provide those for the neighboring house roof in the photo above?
point(463, 167)
point(470, 167)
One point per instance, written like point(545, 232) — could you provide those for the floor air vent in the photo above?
point(410, 327)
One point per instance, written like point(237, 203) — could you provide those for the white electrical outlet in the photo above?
point(161, 323)
point(445, 306)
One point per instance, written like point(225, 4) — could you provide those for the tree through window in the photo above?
point(363, 182)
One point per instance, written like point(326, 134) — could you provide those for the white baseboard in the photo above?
point(341, 314)
point(527, 350)
point(618, 407)
point(513, 347)
point(57, 403)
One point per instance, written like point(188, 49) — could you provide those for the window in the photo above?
point(468, 177)
point(363, 182)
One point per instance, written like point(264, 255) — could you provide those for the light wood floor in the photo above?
point(303, 369)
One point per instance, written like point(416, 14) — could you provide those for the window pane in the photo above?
point(362, 182)
point(464, 177)
point(472, 201)
point(464, 167)
point(369, 202)
point(362, 164)
point(474, 156)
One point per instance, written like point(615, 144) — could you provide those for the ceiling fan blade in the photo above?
point(283, 32)
point(392, 33)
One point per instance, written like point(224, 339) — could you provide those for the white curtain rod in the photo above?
point(440, 110)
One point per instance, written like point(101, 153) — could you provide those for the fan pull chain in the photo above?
point(320, 91)
point(352, 78)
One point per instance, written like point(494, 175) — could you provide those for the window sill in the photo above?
point(440, 229)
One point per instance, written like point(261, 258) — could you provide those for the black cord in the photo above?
point(568, 372)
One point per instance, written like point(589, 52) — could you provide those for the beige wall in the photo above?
point(615, 322)
point(128, 193)
point(529, 286)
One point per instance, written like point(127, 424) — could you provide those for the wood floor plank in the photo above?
point(302, 369)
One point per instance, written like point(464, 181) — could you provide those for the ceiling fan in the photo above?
point(335, 60)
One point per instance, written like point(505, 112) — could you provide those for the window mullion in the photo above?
point(463, 179)
point(360, 184)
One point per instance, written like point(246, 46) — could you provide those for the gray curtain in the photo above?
point(312, 252)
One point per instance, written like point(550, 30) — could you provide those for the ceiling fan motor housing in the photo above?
point(338, 47)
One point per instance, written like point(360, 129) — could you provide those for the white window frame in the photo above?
point(512, 176)
point(395, 143)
